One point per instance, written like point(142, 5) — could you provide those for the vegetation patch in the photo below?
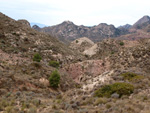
point(77, 41)
point(54, 79)
point(131, 76)
point(37, 57)
point(120, 88)
point(54, 64)
point(121, 43)
point(112, 52)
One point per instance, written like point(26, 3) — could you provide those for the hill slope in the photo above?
point(16, 37)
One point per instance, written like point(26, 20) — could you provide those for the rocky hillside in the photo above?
point(68, 31)
point(18, 37)
point(115, 62)
point(39, 74)
point(25, 69)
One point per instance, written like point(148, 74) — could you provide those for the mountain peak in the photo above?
point(35, 27)
point(146, 16)
point(67, 22)
point(141, 21)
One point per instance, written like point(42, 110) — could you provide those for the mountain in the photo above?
point(69, 31)
point(127, 26)
point(36, 27)
point(139, 30)
point(144, 21)
point(38, 24)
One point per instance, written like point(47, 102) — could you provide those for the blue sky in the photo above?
point(81, 12)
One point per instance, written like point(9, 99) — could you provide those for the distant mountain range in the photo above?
point(68, 31)
point(127, 26)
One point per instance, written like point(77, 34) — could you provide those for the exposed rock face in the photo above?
point(24, 22)
point(81, 44)
point(69, 31)
point(91, 51)
point(87, 69)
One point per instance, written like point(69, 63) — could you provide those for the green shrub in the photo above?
point(77, 41)
point(119, 88)
point(121, 43)
point(112, 52)
point(54, 64)
point(37, 57)
point(54, 79)
point(131, 76)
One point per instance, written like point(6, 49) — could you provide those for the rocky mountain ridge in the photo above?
point(69, 31)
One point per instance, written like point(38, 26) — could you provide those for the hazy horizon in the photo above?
point(87, 13)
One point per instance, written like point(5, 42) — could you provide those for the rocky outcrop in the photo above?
point(24, 22)
point(88, 69)
point(81, 44)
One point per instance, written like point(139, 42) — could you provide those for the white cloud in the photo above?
point(86, 12)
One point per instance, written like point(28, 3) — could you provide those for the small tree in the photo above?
point(37, 57)
point(54, 79)
point(121, 43)
point(77, 41)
